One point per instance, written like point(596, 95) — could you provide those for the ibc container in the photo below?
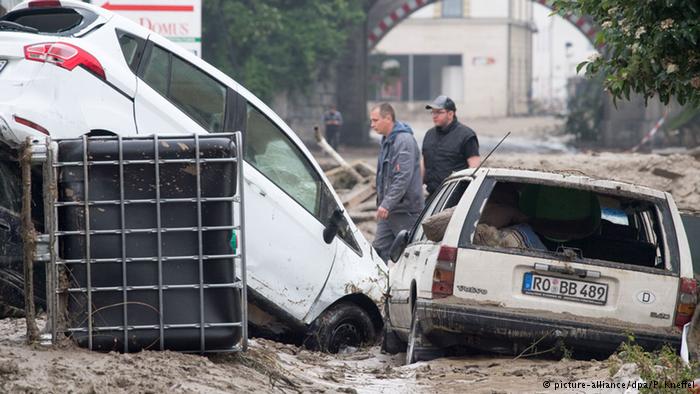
point(142, 236)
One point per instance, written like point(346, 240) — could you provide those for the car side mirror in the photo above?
point(399, 245)
point(333, 226)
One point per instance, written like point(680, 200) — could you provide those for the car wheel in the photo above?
point(417, 349)
point(344, 325)
point(392, 344)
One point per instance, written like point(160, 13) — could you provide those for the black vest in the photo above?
point(446, 150)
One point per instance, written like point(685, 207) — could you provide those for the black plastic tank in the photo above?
point(165, 300)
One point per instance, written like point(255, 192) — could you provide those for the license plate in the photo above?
point(565, 289)
point(2, 64)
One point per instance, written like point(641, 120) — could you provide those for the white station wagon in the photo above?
point(68, 68)
point(514, 261)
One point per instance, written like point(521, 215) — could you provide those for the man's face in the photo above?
point(382, 125)
point(442, 117)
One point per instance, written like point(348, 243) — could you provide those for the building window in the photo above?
point(452, 9)
point(415, 77)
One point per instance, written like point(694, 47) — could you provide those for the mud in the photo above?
point(270, 367)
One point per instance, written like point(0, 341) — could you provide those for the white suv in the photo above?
point(68, 68)
point(526, 261)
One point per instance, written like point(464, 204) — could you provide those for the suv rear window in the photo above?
point(578, 223)
point(60, 21)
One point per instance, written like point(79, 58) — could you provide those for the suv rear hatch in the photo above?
point(619, 265)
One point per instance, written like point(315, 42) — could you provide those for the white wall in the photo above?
point(550, 53)
point(485, 84)
point(488, 8)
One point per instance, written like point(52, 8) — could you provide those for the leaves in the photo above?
point(651, 49)
point(277, 45)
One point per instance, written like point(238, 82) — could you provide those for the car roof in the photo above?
point(563, 178)
point(69, 4)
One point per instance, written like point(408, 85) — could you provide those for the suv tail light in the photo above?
point(44, 4)
point(64, 55)
point(444, 273)
point(687, 300)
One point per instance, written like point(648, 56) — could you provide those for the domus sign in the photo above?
point(178, 20)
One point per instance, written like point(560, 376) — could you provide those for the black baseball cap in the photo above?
point(442, 102)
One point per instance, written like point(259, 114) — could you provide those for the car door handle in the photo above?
point(405, 254)
point(416, 252)
point(568, 271)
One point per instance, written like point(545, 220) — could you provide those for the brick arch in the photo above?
point(385, 15)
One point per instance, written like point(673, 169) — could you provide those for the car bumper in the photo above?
point(499, 330)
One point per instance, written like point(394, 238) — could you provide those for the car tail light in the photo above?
point(687, 300)
point(64, 55)
point(44, 4)
point(444, 273)
point(31, 124)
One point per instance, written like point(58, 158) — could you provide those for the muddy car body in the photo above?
point(528, 260)
point(70, 69)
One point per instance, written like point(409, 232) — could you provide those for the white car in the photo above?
point(68, 68)
point(528, 261)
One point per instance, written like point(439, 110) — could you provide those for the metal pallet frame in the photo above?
point(56, 263)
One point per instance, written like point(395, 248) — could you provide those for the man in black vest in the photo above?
point(449, 146)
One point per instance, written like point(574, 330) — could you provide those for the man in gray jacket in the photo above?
point(399, 184)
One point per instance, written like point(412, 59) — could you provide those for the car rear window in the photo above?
point(581, 224)
point(132, 49)
point(61, 21)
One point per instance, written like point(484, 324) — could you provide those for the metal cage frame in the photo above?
point(56, 263)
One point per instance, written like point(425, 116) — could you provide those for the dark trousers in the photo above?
point(333, 135)
point(388, 229)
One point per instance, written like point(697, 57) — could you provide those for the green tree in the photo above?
point(651, 46)
point(277, 45)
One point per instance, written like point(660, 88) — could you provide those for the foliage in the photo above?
point(662, 366)
point(276, 45)
point(651, 47)
point(586, 110)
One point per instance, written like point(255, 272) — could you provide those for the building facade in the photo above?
point(479, 52)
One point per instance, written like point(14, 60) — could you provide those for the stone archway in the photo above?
point(385, 15)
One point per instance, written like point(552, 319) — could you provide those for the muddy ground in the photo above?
point(271, 367)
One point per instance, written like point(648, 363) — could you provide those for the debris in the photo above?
point(359, 194)
point(341, 178)
point(369, 205)
point(362, 216)
point(328, 149)
point(666, 173)
point(695, 152)
point(364, 169)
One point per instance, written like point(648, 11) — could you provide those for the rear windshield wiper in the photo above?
point(12, 26)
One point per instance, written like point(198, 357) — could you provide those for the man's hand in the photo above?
point(382, 213)
point(474, 161)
